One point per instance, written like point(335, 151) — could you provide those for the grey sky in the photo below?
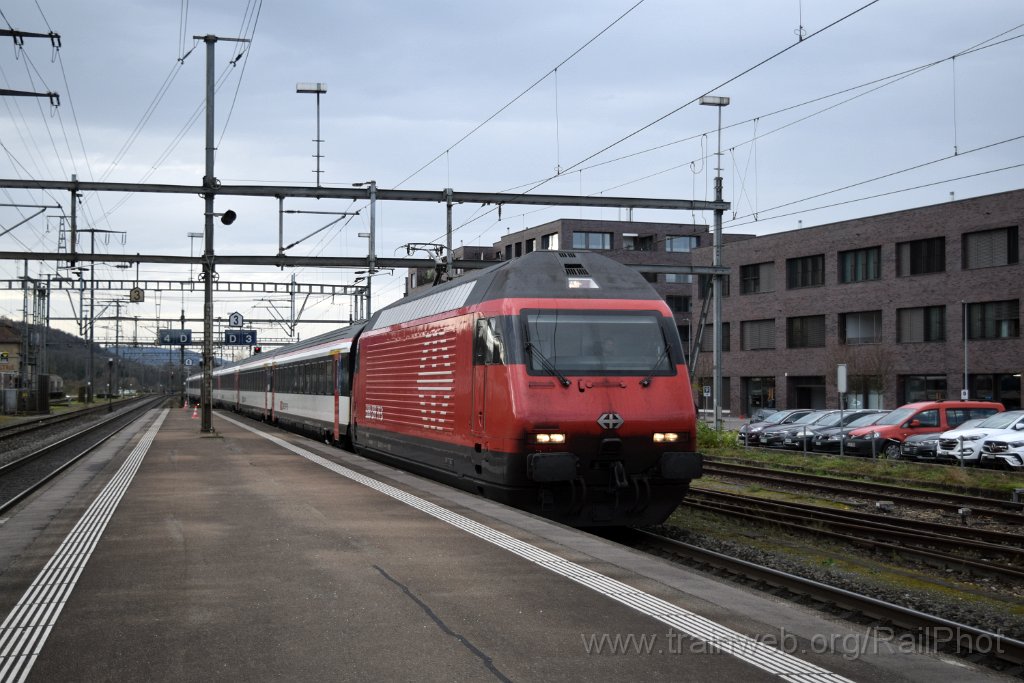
point(406, 80)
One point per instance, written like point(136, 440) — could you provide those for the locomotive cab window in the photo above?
point(488, 343)
point(598, 343)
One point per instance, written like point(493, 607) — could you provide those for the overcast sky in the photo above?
point(871, 100)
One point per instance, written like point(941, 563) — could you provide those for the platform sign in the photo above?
point(239, 337)
point(236, 319)
point(174, 336)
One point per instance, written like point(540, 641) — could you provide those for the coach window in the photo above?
point(488, 346)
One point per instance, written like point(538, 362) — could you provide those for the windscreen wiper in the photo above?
point(647, 380)
point(547, 364)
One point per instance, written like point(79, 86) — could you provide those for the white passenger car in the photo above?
point(966, 444)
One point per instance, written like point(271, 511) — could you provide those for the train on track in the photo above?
point(554, 382)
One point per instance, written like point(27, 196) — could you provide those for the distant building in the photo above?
point(10, 352)
point(886, 295)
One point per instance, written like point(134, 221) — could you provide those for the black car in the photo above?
point(774, 437)
point(828, 440)
point(761, 414)
point(750, 434)
point(924, 447)
point(801, 437)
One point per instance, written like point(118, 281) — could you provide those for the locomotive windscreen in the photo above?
point(596, 343)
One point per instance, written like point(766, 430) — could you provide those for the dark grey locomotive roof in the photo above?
point(539, 274)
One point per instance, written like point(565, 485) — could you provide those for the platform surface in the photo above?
point(254, 554)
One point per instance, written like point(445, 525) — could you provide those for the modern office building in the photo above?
point(886, 295)
point(912, 302)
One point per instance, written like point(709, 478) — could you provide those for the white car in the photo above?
point(966, 444)
point(1004, 450)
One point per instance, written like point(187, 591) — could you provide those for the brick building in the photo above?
point(887, 295)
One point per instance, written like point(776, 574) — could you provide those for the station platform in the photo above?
point(255, 554)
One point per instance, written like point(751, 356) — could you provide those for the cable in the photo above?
point(674, 111)
point(520, 95)
point(886, 194)
point(886, 175)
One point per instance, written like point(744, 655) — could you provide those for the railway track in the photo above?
point(924, 630)
point(1005, 511)
point(40, 428)
point(21, 477)
point(977, 552)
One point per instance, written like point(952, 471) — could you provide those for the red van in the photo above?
point(885, 436)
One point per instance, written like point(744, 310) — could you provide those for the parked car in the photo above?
point(773, 437)
point(885, 436)
point(800, 436)
point(761, 414)
point(1003, 450)
point(828, 440)
point(750, 434)
point(966, 444)
point(923, 447)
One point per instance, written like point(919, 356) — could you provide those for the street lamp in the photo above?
point(716, 391)
point(965, 392)
point(317, 89)
point(110, 384)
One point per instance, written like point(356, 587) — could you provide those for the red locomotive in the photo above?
point(554, 382)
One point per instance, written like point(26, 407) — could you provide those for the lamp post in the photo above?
point(965, 392)
point(110, 384)
point(716, 391)
point(317, 89)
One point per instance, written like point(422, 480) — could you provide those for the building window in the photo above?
point(921, 256)
point(684, 243)
point(756, 335)
point(707, 338)
point(863, 327)
point(925, 324)
point(990, 248)
point(650, 277)
point(914, 388)
point(805, 332)
point(508, 252)
point(678, 303)
point(519, 249)
point(549, 242)
point(757, 277)
point(531, 245)
point(678, 279)
point(860, 265)
point(806, 271)
point(994, 319)
point(633, 242)
point(704, 285)
point(591, 240)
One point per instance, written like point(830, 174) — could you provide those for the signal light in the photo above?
point(257, 349)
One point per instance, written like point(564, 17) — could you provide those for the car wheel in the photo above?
point(891, 451)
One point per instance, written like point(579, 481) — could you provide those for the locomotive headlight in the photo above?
point(548, 437)
point(665, 437)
